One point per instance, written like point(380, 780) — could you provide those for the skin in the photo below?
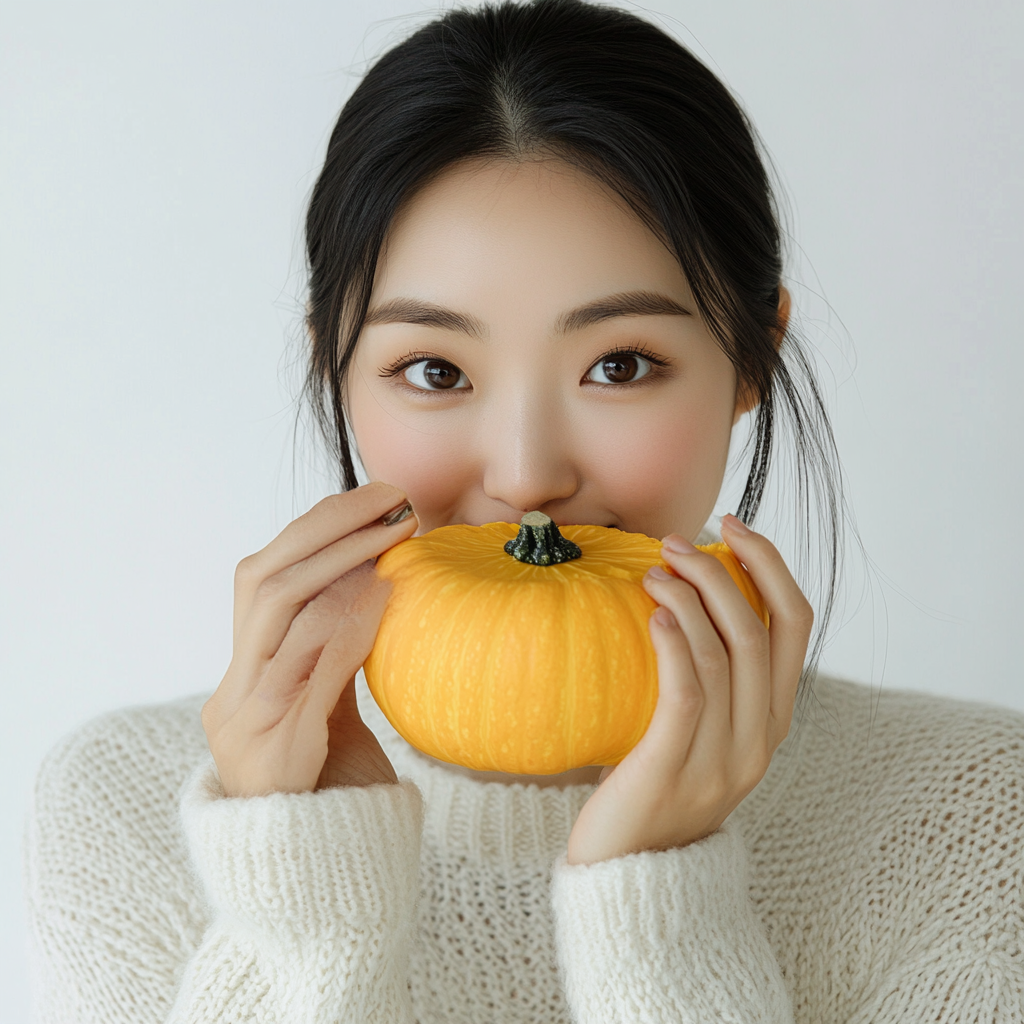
point(507, 281)
point(516, 247)
point(520, 432)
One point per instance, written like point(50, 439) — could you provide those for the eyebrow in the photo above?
point(428, 314)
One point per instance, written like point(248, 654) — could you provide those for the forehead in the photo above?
point(540, 224)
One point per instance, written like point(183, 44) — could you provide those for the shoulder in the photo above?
point(138, 752)
point(891, 754)
point(113, 905)
point(916, 807)
point(914, 741)
point(114, 784)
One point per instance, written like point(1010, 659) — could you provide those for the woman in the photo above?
point(545, 274)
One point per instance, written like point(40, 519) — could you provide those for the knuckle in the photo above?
point(209, 716)
point(709, 657)
point(683, 595)
point(803, 615)
point(333, 505)
point(336, 500)
point(808, 613)
point(779, 731)
point(689, 701)
point(753, 771)
point(753, 642)
point(273, 589)
point(762, 541)
point(246, 570)
point(371, 494)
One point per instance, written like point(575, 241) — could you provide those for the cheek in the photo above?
point(402, 449)
point(664, 470)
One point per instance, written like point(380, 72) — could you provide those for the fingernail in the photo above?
point(735, 524)
point(680, 545)
point(396, 515)
point(656, 572)
point(664, 617)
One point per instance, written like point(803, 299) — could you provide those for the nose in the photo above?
point(528, 452)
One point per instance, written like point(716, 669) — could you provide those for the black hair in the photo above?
point(616, 96)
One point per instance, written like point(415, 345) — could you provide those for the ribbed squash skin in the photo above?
point(488, 663)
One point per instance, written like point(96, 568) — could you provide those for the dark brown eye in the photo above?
point(619, 368)
point(434, 375)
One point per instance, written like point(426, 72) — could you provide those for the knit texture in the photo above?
point(874, 875)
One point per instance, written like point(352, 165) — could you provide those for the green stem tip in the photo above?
point(540, 543)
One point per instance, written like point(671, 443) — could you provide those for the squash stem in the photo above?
point(540, 543)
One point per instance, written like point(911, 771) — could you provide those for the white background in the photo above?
point(155, 162)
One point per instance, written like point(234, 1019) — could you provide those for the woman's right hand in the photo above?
point(307, 609)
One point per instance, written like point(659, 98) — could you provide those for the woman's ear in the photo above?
point(785, 303)
point(744, 401)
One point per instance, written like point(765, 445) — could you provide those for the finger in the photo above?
point(745, 638)
point(328, 520)
point(348, 611)
point(791, 615)
point(665, 745)
point(708, 656)
point(319, 548)
point(304, 692)
point(281, 597)
point(350, 607)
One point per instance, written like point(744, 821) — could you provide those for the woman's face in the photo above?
point(530, 344)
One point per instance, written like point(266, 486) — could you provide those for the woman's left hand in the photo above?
point(726, 690)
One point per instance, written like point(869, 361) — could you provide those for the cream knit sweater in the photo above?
point(874, 875)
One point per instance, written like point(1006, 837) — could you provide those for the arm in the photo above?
point(312, 899)
point(115, 886)
point(666, 936)
point(114, 909)
point(311, 919)
point(652, 903)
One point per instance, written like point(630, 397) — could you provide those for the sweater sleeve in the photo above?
point(312, 901)
point(666, 936)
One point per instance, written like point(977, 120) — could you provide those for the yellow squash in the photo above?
point(501, 664)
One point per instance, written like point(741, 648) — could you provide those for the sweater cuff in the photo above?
point(302, 866)
point(665, 935)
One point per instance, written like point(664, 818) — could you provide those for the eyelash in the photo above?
point(658, 365)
